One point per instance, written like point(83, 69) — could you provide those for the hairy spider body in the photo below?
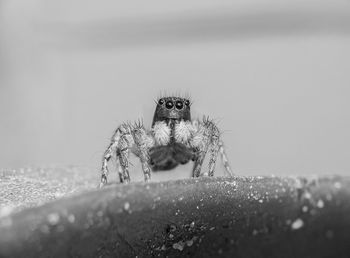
point(169, 156)
point(173, 139)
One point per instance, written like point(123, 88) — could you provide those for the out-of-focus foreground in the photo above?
point(204, 217)
point(276, 76)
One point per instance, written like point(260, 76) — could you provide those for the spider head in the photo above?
point(172, 108)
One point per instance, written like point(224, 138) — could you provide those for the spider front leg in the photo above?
point(118, 143)
point(127, 138)
point(207, 138)
point(198, 162)
point(123, 155)
point(143, 142)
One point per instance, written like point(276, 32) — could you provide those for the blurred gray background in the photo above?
point(274, 74)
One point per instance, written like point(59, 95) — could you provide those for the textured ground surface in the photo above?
point(204, 217)
point(33, 186)
point(30, 187)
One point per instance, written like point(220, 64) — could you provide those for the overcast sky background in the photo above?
point(275, 74)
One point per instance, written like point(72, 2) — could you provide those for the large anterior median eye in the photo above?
point(179, 104)
point(169, 104)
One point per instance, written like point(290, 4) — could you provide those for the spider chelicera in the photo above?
point(172, 140)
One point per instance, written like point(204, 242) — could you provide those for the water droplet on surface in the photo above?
point(320, 204)
point(305, 208)
point(179, 245)
point(189, 242)
point(297, 224)
point(126, 206)
point(71, 218)
point(307, 195)
point(53, 218)
point(337, 185)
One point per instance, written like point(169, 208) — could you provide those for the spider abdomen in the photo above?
point(167, 157)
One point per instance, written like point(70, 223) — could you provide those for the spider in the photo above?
point(172, 140)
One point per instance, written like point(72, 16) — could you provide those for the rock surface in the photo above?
point(205, 217)
point(30, 187)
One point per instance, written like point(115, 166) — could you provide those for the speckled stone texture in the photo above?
point(33, 186)
point(204, 217)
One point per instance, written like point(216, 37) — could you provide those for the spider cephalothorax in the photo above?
point(172, 108)
point(173, 139)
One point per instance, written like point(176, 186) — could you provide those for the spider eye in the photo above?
point(187, 102)
point(169, 104)
point(161, 101)
point(179, 104)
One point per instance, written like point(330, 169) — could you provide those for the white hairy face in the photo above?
point(183, 132)
point(161, 133)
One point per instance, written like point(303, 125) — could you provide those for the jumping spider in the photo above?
point(173, 139)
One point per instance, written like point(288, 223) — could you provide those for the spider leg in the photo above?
point(214, 150)
point(128, 138)
point(201, 141)
point(124, 163)
point(106, 157)
point(146, 170)
point(114, 147)
point(143, 141)
point(120, 171)
point(139, 145)
point(207, 137)
point(224, 159)
point(198, 162)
